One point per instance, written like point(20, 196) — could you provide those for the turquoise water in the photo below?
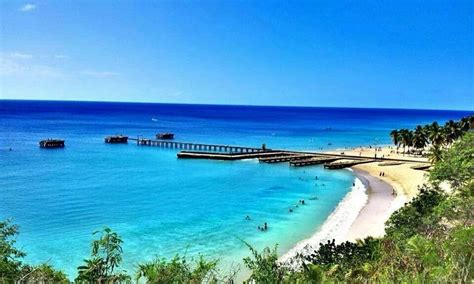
point(162, 205)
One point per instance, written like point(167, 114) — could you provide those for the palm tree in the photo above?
point(406, 138)
point(419, 138)
point(435, 154)
point(466, 123)
point(436, 135)
point(452, 131)
point(395, 134)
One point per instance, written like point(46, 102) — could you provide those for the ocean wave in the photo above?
point(336, 226)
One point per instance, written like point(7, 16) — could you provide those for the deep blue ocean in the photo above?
point(159, 204)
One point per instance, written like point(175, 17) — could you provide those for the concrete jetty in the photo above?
point(344, 163)
point(191, 150)
point(313, 161)
point(226, 156)
point(196, 146)
point(288, 157)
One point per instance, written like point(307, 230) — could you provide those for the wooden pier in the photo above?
point(341, 164)
point(287, 157)
point(313, 161)
point(231, 153)
point(227, 156)
point(196, 146)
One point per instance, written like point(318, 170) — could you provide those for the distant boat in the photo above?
point(51, 143)
point(116, 139)
point(154, 119)
point(165, 136)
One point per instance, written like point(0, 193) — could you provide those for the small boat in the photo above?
point(165, 136)
point(51, 143)
point(116, 139)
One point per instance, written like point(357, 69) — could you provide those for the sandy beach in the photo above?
point(401, 177)
point(381, 203)
point(365, 209)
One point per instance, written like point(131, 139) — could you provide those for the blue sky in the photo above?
point(396, 54)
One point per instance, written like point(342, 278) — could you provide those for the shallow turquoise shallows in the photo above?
point(162, 205)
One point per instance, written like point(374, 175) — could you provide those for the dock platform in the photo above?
point(196, 146)
point(288, 157)
point(341, 164)
point(313, 161)
point(226, 156)
point(294, 158)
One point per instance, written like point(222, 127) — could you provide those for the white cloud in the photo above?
point(177, 94)
point(20, 68)
point(100, 74)
point(18, 64)
point(19, 55)
point(28, 7)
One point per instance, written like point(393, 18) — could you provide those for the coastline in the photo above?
point(336, 226)
point(365, 209)
point(381, 203)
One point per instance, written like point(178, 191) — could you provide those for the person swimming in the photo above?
point(247, 217)
point(265, 227)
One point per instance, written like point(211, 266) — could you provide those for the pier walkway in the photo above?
point(294, 158)
point(196, 146)
point(228, 157)
point(343, 163)
point(288, 157)
point(313, 161)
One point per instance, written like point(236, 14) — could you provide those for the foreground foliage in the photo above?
point(429, 239)
point(13, 270)
point(179, 270)
point(106, 256)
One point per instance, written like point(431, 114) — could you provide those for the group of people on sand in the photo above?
point(381, 174)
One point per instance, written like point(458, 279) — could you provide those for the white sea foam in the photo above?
point(336, 226)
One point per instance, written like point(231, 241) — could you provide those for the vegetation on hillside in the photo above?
point(429, 239)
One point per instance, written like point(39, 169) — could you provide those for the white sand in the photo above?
point(364, 210)
point(381, 204)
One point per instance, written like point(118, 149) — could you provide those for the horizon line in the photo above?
point(241, 105)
